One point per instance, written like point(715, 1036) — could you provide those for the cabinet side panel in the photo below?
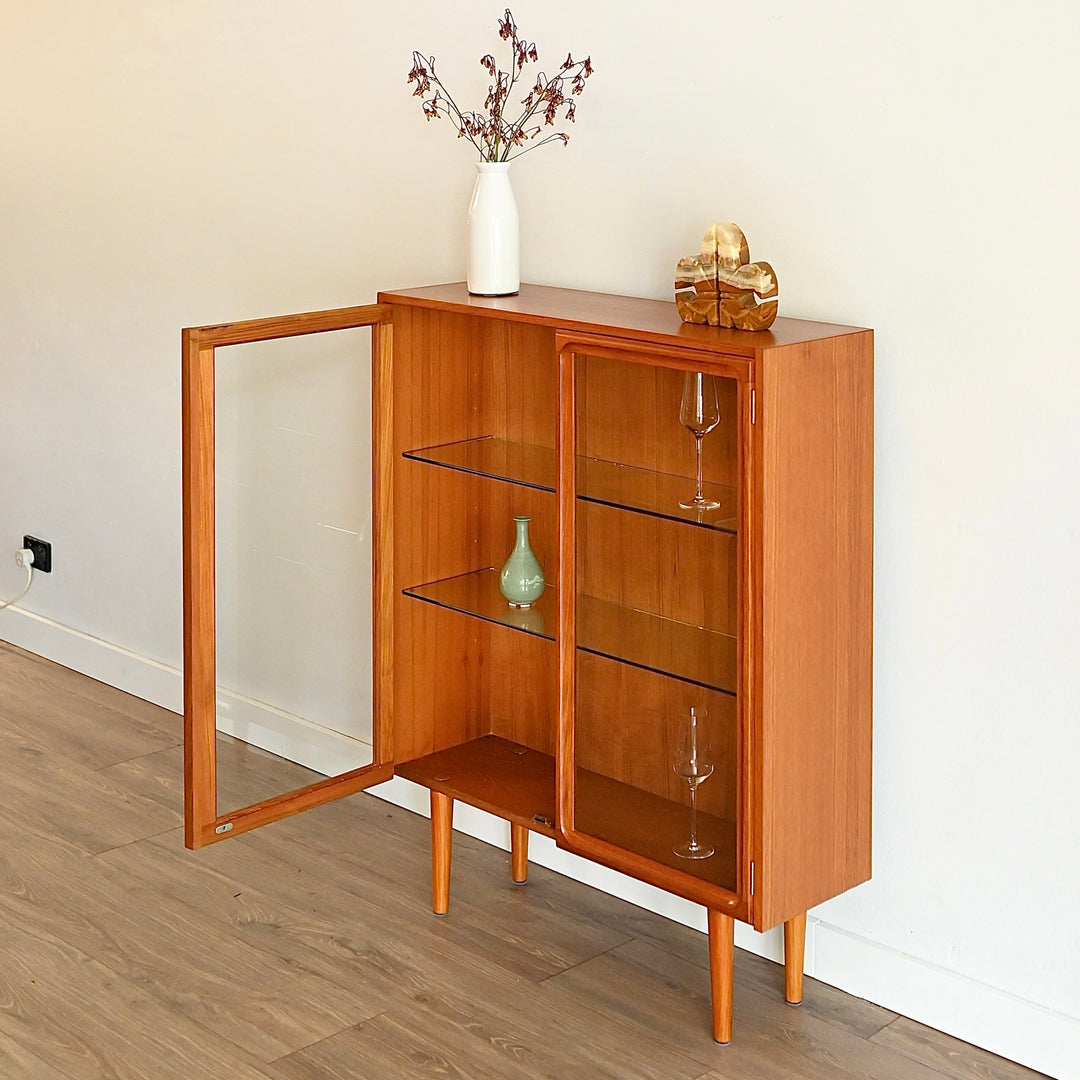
point(816, 424)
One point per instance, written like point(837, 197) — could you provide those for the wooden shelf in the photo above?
point(651, 826)
point(608, 483)
point(493, 774)
point(668, 647)
point(517, 783)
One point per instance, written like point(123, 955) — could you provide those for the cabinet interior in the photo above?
point(475, 680)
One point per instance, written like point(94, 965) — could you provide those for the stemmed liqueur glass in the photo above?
point(694, 763)
point(699, 413)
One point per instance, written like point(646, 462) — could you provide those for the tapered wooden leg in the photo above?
point(721, 973)
point(794, 949)
point(519, 853)
point(442, 828)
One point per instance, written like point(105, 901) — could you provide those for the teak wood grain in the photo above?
point(199, 545)
point(202, 825)
point(762, 614)
point(650, 321)
point(519, 853)
point(721, 973)
point(794, 951)
point(815, 416)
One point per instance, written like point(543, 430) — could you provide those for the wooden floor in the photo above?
point(307, 949)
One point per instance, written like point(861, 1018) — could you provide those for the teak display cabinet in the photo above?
point(563, 718)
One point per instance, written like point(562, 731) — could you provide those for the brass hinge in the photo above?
point(751, 877)
point(753, 410)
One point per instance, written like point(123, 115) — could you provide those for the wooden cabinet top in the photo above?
point(623, 316)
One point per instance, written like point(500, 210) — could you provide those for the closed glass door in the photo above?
point(652, 782)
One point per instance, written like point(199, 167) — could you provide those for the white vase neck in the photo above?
point(492, 166)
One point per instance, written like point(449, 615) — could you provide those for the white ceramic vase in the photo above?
point(493, 263)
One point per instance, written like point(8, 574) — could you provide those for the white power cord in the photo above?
point(25, 558)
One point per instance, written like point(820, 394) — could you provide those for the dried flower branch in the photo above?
point(495, 137)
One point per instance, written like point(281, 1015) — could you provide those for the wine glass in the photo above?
point(699, 412)
point(694, 763)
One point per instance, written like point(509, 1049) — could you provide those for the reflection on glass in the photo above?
point(699, 412)
point(694, 763)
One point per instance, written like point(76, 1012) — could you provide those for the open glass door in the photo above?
point(651, 669)
point(233, 718)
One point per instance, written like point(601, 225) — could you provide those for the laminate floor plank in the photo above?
point(17, 1062)
point(445, 982)
point(53, 795)
point(307, 950)
point(770, 1040)
point(385, 1047)
point(21, 668)
point(954, 1057)
point(510, 924)
point(245, 775)
point(88, 1023)
point(147, 935)
point(275, 872)
point(476, 1028)
point(76, 727)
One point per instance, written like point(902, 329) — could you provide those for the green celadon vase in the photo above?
point(521, 579)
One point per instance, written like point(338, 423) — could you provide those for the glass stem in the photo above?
point(693, 816)
point(700, 497)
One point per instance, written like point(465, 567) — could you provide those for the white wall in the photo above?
point(906, 167)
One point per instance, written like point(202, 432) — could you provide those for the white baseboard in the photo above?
point(983, 1015)
point(999, 1022)
point(91, 656)
point(272, 729)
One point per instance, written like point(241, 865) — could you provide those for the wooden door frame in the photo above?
point(202, 823)
point(734, 904)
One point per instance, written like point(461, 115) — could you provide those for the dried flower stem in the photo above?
point(495, 138)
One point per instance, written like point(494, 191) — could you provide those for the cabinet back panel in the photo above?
point(522, 689)
point(457, 377)
point(627, 728)
point(629, 413)
point(664, 567)
point(520, 381)
point(438, 389)
point(456, 677)
point(440, 692)
point(449, 523)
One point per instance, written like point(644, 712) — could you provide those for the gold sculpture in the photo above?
point(722, 287)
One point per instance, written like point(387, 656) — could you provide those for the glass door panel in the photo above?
point(656, 769)
point(278, 605)
point(628, 790)
point(294, 563)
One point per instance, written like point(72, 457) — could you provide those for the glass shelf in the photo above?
point(668, 647)
point(690, 653)
point(500, 459)
point(478, 594)
point(605, 482)
point(650, 825)
point(654, 493)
